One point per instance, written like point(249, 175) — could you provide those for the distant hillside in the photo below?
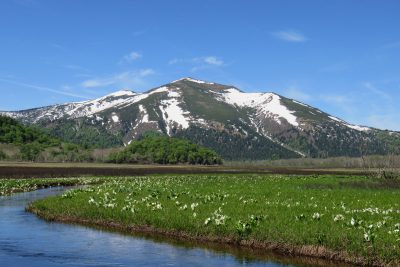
point(165, 150)
point(13, 132)
point(30, 143)
point(236, 124)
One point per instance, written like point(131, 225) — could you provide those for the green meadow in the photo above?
point(354, 219)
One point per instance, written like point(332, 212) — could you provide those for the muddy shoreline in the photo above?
point(311, 252)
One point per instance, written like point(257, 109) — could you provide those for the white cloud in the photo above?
point(132, 56)
point(123, 79)
point(42, 88)
point(290, 36)
point(199, 63)
point(209, 60)
point(213, 61)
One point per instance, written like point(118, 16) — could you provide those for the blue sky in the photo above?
point(340, 56)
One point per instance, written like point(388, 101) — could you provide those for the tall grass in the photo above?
point(367, 162)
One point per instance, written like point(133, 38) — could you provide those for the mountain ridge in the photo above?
point(236, 124)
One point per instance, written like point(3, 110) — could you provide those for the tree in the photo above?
point(165, 150)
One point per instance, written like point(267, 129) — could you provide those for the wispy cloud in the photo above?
point(132, 56)
point(371, 88)
point(210, 60)
point(42, 88)
point(199, 63)
point(213, 61)
point(123, 79)
point(290, 36)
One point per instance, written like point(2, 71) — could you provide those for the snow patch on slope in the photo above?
point(358, 127)
point(158, 90)
point(297, 102)
point(267, 103)
point(172, 112)
point(351, 126)
point(143, 112)
point(115, 118)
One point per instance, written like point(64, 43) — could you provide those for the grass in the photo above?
point(326, 216)
point(10, 186)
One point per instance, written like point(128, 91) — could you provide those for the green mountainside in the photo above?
point(34, 144)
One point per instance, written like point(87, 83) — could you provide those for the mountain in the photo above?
point(236, 124)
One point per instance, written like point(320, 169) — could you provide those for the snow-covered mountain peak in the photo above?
point(123, 92)
point(189, 79)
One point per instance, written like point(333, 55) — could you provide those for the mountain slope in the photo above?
point(236, 124)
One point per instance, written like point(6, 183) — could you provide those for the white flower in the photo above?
point(316, 216)
point(338, 217)
point(367, 237)
point(184, 207)
point(207, 221)
point(194, 205)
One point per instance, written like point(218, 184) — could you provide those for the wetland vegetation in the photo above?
point(351, 219)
